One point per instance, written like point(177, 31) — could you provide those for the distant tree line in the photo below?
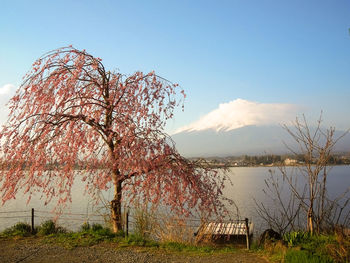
point(300, 159)
point(262, 159)
point(271, 159)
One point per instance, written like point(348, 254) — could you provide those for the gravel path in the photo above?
point(32, 250)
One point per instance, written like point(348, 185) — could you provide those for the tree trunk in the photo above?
point(116, 205)
point(310, 217)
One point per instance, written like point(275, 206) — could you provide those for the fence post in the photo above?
point(247, 233)
point(32, 221)
point(127, 223)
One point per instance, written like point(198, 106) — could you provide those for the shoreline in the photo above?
point(256, 166)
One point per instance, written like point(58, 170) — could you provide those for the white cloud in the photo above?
point(6, 89)
point(239, 113)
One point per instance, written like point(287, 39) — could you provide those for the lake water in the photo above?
point(248, 184)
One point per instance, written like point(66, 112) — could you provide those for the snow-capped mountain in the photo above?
point(251, 140)
point(243, 127)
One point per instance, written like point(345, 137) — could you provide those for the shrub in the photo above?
point(19, 229)
point(94, 227)
point(143, 222)
point(98, 227)
point(98, 231)
point(103, 232)
point(49, 227)
point(339, 250)
point(85, 227)
point(174, 229)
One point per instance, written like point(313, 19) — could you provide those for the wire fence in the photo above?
point(35, 217)
point(87, 217)
point(131, 219)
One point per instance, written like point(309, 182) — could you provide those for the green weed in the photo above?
point(138, 240)
point(49, 227)
point(303, 256)
point(304, 247)
point(19, 229)
point(87, 236)
point(296, 238)
point(85, 227)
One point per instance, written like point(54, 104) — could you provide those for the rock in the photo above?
point(269, 234)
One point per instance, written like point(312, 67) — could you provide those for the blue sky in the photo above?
point(283, 52)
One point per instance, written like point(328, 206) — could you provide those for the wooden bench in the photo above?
point(227, 232)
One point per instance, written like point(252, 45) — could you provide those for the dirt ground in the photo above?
point(33, 250)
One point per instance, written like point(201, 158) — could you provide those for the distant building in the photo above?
point(290, 161)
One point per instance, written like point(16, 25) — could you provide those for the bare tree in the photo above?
point(283, 213)
point(309, 198)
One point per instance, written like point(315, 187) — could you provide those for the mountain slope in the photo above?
point(251, 140)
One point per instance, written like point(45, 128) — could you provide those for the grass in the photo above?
point(302, 247)
point(303, 256)
point(296, 247)
point(176, 246)
point(71, 240)
point(89, 235)
point(312, 248)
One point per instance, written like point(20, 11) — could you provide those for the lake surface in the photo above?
point(248, 184)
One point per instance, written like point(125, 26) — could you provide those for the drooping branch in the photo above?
point(70, 112)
